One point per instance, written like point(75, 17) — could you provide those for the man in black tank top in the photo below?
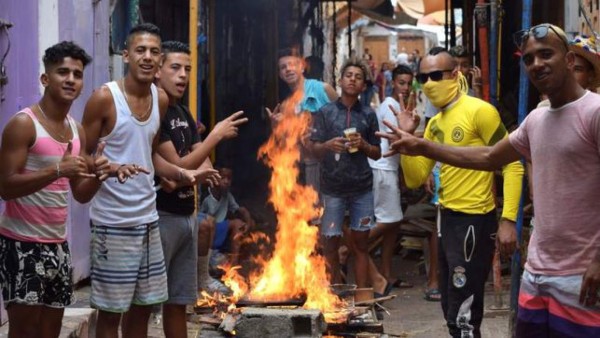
point(180, 144)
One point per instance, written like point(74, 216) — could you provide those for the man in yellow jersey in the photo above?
point(467, 224)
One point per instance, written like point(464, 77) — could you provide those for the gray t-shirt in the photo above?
point(218, 208)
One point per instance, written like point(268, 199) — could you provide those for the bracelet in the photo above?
point(57, 169)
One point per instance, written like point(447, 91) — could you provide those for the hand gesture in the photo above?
point(475, 73)
point(101, 163)
point(506, 238)
point(590, 286)
point(72, 166)
point(208, 176)
point(408, 119)
point(401, 142)
point(125, 171)
point(187, 177)
point(228, 128)
point(337, 144)
point(275, 116)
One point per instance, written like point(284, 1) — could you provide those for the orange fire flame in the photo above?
point(294, 270)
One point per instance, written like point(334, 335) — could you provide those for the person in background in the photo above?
point(463, 58)
point(343, 139)
point(386, 185)
point(229, 220)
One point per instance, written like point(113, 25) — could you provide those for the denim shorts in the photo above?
point(360, 209)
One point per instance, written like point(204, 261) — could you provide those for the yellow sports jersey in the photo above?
point(469, 122)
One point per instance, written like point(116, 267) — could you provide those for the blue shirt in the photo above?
point(315, 96)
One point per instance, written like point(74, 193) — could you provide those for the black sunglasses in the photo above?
point(538, 32)
point(436, 75)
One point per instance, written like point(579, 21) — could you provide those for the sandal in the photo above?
point(432, 295)
point(386, 291)
point(402, 284)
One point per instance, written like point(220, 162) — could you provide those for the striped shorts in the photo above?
point(128, 267)
point(549, 307)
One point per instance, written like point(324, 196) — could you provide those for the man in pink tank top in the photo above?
point(560, 288)
point(43, 158)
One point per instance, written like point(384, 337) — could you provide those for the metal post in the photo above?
point(516, 269)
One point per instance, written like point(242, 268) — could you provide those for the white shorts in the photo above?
point(386, 195)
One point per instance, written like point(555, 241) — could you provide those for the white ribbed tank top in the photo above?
point(130, 142)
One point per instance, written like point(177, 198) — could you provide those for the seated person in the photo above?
point(227, 220)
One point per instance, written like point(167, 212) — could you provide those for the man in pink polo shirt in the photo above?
point(560, 286)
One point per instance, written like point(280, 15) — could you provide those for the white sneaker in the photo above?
point(213, 285)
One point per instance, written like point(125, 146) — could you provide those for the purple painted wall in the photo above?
point(87, 24)
point(22, 61)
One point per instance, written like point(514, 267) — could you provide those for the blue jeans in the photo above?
point(360, 207)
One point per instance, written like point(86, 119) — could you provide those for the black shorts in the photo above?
point(35, 273)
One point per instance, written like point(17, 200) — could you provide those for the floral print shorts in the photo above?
point(35, 273)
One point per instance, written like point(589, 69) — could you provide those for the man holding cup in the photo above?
point(343, 138)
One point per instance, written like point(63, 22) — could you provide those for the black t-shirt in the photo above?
point(348, 174)
point(179, 127)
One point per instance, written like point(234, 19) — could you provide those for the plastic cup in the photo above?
point(346, 293)
point(351, 133)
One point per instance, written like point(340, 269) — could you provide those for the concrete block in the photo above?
point(279, 323)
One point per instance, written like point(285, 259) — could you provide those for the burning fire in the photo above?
point(294, 270)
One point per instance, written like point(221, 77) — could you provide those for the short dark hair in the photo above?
point(459, 52)
point(142, 28)
point(440, 50)
point(358, 63)
point(401, 69)
point(289, 51)
point(175, 47)
point(56, 53)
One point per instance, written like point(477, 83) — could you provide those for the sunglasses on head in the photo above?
point(436, 75)
point(538, 32)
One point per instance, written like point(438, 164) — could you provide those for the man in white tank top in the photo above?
point(127, 262)
point(41, 163)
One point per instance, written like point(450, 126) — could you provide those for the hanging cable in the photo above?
point(349, 28)
point(334, 45)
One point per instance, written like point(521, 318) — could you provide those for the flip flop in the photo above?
point(432, 295)
point(386, 291)
point(401, 284)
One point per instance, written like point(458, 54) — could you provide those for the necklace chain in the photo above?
point(62, 135)
point(137, 116)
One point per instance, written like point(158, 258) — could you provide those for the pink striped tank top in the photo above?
point(41, 217)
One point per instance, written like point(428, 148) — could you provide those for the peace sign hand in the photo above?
point(408, 119)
